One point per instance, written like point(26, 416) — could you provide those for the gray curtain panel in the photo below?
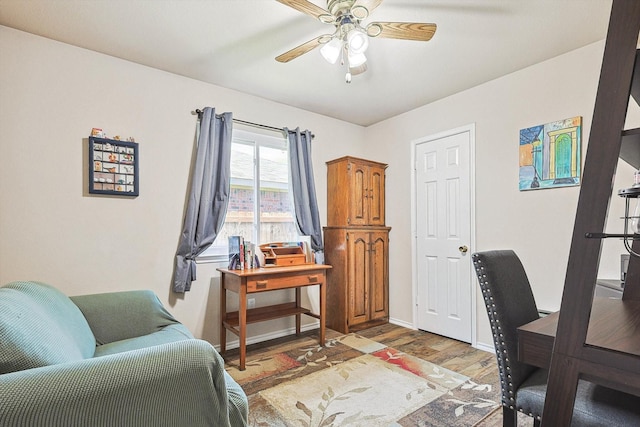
point(208, 196)
point(304, 187)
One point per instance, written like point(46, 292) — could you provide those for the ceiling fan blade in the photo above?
point(402, 30)
point(305, 6)
point(300, 50)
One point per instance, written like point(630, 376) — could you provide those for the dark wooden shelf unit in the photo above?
point(630, 148)
point(599, 340)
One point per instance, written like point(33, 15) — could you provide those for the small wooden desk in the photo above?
point(614, 325)
point(245, 282)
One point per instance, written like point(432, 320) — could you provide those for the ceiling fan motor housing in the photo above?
point(340, 7)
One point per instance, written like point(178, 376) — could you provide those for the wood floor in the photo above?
point(448, 353)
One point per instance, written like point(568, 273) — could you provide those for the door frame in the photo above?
point(471, 129)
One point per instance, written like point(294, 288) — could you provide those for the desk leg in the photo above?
point(323, 309)
point(242, 319)
point(223, 316)
point(298, 316)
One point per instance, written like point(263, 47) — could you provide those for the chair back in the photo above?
point(510, 304)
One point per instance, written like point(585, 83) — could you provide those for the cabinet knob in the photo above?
point(313, 279)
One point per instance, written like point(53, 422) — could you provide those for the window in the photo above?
point(260, 201)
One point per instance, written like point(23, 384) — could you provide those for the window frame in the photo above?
point(256, 140)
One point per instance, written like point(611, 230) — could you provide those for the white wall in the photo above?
point(536, 224)
point(51, 95)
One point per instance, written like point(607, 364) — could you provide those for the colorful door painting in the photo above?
point(550, 155)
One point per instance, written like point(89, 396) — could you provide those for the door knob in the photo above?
point(463, 249)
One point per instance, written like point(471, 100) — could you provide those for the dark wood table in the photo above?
point(244, 282)
point(535, 341)
point(614, 325)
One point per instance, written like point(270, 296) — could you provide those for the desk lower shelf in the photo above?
point(260, 314)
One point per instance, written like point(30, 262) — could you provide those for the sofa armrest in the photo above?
point(118, 316)
point(177, 384)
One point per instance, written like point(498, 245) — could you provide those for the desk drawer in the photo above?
point(269, 282)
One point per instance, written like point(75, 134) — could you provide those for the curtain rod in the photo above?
point(244, 122)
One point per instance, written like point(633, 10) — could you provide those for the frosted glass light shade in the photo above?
point(358, 70)
point(331, 51)
point(358, 41)
point(357, 59)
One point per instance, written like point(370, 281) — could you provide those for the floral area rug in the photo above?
point(355, 381)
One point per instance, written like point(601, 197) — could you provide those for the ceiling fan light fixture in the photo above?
point(357, 40)
point(356, 60)
point(350, 39)
point(331, 51)
point(358, 70)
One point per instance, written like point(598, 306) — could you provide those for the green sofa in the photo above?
point(113, 359)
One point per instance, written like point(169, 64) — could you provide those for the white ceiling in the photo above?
point(233, 43)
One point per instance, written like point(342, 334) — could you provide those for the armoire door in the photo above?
point(379, 275)
point(376, 196)
point(359, 194)
point(358, 277)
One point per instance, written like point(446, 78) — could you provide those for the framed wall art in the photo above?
point(113, 167)
point(550, 155)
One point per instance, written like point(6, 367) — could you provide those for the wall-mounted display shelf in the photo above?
point(113, 167)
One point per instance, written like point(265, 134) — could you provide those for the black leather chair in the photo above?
point(510, 304)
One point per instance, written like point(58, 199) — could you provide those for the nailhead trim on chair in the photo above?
point(503, 361)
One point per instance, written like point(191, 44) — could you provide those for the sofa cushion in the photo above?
point(40, 326)
point(116, 316)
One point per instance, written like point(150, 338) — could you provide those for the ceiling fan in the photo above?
point(350, 39)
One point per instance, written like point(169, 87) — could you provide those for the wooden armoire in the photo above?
point(356, 245)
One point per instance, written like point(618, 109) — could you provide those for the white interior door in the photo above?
point(443, 218)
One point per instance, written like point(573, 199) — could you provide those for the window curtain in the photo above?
point(208, 196)
point(303, 185)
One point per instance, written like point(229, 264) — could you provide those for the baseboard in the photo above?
point(271, 335)
point(402, 323)
point(480, 346)
point(485, 347)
